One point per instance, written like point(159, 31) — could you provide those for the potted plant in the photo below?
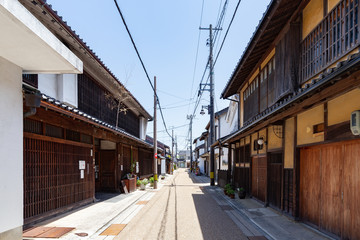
point(231, 193)
point(143, 184)
point(226, 188)
point(138, 183)
point(242, 193)
point(151, 181)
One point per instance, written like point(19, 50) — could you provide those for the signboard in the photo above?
point(155, 155)
point(81, 164)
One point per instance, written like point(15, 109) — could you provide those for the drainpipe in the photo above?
point(32, 100)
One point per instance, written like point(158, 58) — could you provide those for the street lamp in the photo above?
point(202, 112)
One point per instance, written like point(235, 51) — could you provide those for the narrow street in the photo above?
point(183, 209)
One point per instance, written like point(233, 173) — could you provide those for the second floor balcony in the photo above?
point(332, 39)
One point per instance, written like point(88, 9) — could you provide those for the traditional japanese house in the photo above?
point(41, 52)
point(162, 152)
point(298, 82)
point(86, 136)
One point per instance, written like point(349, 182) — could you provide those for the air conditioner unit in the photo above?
point(355, 122)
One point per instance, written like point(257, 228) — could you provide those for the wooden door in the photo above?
point(274, 179)
point(107, 170)
point(351, 192)
point(126, 160)
point(310, 185)
point(259, 177)
point(329, 188)
point(254, 177)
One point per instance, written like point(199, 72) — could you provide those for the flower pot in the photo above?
point(232, 196)
point(242, 194)
point(142, 186)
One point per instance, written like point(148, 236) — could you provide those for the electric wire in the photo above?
point(227, 31)
point(197, 54)
point(143, 65)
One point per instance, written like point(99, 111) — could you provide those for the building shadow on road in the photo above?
point(213, 219)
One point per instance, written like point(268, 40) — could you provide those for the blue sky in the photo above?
point(166, 34)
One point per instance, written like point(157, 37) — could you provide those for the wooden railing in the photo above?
point(333, 38)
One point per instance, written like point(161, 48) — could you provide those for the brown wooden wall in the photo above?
point(52, 175)
point(288, 197)
point(259, 177)
point(275, 168)
point(329, 183)
point(145, 162)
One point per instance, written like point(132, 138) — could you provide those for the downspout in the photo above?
point(32, 100)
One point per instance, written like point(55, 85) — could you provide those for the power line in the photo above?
point(197, 52)
point(227, 31)
point(142, 64)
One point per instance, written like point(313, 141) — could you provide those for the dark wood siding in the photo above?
point(288, 191)
point(251, 102)
point(259, 176)
point(97, 102)
point(145, 162)
point(107, 170)
point(287, 64)
point(52, 176)
point(31, 79)
point(274, 179)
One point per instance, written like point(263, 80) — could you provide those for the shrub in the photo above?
point(145, 181)
point(227, 186)
point(151, 180)
point(230, 191)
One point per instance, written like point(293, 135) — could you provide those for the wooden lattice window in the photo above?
point(31, 79)
point(97, 102)
point(54, 131)
point(33, 126)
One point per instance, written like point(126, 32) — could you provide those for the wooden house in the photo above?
point(42, 51)
point(298, 82)
point(86, 136)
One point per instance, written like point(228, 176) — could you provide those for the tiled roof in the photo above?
point(72, 110)
point(55, 14)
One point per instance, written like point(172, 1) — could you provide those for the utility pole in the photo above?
point(176, 148)
point(172, 151)
point(191, 155)
point(155, 137)
point(211, 106)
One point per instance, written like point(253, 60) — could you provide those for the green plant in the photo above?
point(227, 186)
point(241, 189)
point(230, 191)
point(145, 181)
point(151, 180)
point(138, 182)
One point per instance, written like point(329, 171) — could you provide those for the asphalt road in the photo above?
point(182, 209)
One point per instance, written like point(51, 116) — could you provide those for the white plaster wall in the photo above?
point(63, 87)
point(47, 84)
point(11, 153)
point(143, 127)
point(67, 89)
point(201, 165)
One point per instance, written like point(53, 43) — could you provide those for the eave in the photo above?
point(277, 15)
point(92, 63)
point(302, 99)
